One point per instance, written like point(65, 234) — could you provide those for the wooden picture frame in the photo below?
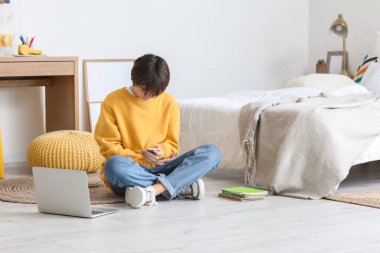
point(101, 77)
point(93, 114)
point(334, 61)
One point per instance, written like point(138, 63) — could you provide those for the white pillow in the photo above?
point(372, 79)
point(324, 82)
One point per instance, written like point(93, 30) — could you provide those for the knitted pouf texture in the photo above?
point(65, 149)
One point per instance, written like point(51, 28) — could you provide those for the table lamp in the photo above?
point(339, 29)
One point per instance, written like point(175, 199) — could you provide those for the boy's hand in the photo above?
point(162, 161)
point(165, 160)
point(153, 155)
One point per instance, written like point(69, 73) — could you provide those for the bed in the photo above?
point(282, 138)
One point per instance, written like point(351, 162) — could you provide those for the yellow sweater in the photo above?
point(128, 124)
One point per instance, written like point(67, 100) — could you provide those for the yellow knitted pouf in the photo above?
point(65, 149)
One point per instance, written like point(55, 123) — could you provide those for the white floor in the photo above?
point(276, 224)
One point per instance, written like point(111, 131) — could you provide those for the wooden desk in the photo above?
point(59, 75)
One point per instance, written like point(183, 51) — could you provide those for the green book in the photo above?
point(225, 196)
point(239, 198)
point(244, 192)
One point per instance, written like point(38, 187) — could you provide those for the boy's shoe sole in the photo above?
point(135, 197)
point(201, 189)
point(197, 187)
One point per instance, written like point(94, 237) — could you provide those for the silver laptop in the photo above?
point(65, 192)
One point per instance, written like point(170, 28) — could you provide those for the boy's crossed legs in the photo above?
point(169, 179)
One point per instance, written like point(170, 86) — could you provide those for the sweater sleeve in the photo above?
point(108, 137)
point(171, 143)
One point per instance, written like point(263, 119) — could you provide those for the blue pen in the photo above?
point(22, 39)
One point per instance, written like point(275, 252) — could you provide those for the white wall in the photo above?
point(212, 46)
point(362, 19)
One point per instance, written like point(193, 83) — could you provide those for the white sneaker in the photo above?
point(195, 191)
point(137, 196)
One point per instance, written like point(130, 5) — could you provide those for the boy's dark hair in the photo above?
point(151, 71)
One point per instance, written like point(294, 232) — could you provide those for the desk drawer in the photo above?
point(14, 69)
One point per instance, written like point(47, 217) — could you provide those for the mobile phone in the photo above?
point(152, 150)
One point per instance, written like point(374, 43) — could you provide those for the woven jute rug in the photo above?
point(369, 198)
point(21, 190)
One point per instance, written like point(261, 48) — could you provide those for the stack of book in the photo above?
point(243, 193)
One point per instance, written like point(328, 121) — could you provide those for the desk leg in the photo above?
point(62, 104)
point(2, 173)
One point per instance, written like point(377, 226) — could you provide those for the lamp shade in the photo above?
point(339, 27)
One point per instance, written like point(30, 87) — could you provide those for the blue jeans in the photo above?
point(176, 175)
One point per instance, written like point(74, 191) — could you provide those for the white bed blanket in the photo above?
point(216, 120)
point(219, 120)
point(306, 149)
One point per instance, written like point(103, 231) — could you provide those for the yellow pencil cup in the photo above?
point(23, 49)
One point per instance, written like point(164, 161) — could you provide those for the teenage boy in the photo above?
point(138, 134)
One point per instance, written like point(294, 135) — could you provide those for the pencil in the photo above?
point(31, 41)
